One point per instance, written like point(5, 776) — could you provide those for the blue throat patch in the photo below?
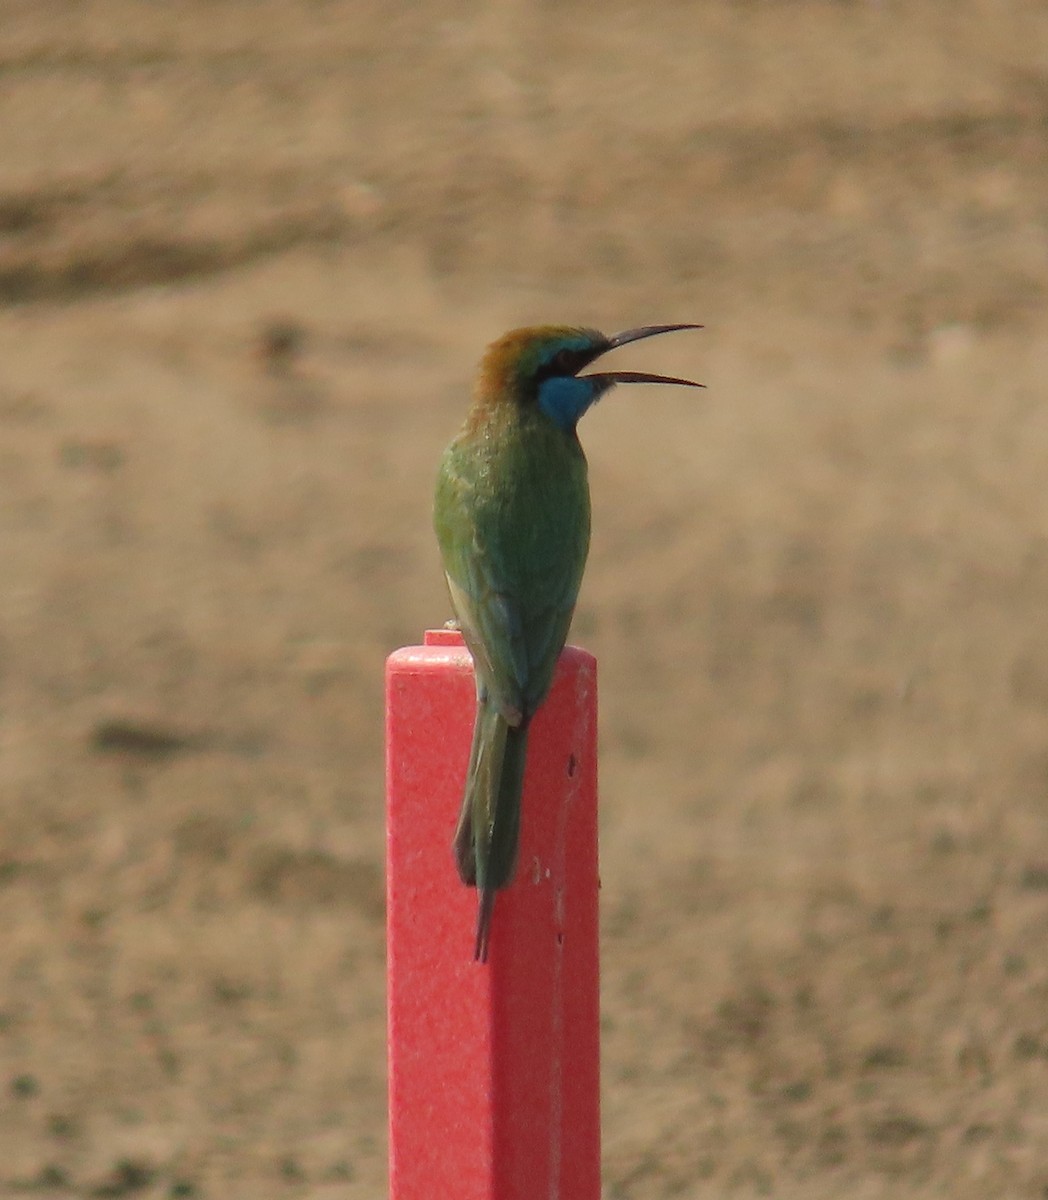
point(564, 398)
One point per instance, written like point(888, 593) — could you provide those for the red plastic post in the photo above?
point(494, 1068)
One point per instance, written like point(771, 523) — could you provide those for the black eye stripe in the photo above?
point(564, 362)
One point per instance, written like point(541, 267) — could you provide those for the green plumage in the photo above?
point(513, 524)
point(512, 517)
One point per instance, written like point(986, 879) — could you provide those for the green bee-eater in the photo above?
point(512, 516)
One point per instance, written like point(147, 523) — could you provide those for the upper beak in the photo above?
point(644, 331)
point(636, 335)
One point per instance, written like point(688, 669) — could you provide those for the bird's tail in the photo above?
point(489, 823)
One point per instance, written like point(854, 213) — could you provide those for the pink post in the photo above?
point(494, 1074)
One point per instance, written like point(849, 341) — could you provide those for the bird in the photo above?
point(512, 519)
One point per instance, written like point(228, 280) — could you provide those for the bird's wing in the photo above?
point(487, 609)
point(514, 576)
point(544, 639)
point(493, 631)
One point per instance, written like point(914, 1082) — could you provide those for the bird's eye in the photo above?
point(564, 362)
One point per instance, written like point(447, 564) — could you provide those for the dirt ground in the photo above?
point(249, 255)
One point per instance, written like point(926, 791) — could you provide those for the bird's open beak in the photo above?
point(635, 335)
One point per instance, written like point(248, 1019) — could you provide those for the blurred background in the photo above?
point(249, 255)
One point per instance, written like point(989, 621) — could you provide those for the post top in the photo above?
point(445, 647)
point(442, 637)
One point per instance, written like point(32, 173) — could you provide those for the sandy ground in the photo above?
point(249, 255)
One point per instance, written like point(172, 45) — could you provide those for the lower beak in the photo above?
point(608, 378)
